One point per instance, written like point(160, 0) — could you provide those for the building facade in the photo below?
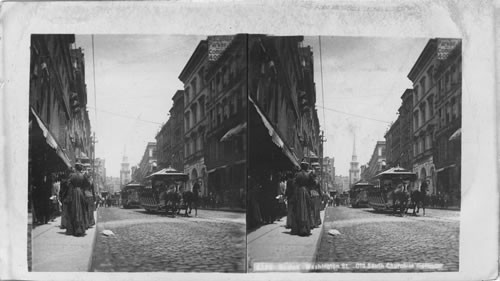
point(423, 114)
point(59, 130)
point(195, 93)
point(148, 163)
point(282, 120)
point(448, 107)
point(170, 140)
point(100, 174)
point(377, 163)
point(226, 127)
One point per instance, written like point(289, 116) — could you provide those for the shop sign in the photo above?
point(217, 45)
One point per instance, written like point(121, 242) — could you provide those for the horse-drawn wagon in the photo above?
point(163, 191)
point(393, 191)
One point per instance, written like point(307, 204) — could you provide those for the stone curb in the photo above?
point(94, 239)
point(318, 242)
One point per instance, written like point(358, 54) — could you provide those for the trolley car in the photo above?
point(388, 194)
point(162, 193)
point(359, 194)
point(130, 195)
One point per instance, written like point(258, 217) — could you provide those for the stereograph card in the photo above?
point(249, 140)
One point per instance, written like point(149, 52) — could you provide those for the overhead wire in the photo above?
point(127, 116)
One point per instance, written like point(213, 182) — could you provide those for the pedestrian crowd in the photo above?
point(298, 197)
point(72, 196)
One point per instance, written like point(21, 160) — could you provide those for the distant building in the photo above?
point(170, 140)
point(113, 185)
point(341, 183)
point(377, 162)
point(328, 175)
point(100, 174)
point(148, 163)
point(399, 150)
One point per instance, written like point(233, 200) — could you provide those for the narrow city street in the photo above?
point(382, 242)
point(214, 241)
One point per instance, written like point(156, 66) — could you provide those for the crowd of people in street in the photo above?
point(70, 195)
point(298, 197)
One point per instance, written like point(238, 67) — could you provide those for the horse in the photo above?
point(172, 201)
point(188, 200)
point(400, 201)
point(418, 200)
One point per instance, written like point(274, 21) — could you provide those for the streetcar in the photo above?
point(389, 194)
point(359, 194)
point(130, 195)
point(162, 193)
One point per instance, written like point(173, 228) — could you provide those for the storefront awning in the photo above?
point(275, 136)
point(51, 141)
point(444, 168)
point(456, 135)
point(234, 131)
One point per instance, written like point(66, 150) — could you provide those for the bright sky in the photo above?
point(137, 75)
point(362, 76)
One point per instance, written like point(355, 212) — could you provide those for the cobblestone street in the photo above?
point(212, 242)
point(373, 239)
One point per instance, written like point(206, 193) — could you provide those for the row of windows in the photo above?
point(222, 150)
point(193, 145)
point(445, 82)
point(422, 144)
point(195, 114)
point(227, 107)
point(424, 113)
point(448, 113)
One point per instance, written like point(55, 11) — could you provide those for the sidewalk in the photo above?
point(273, 243)
point(54, 251)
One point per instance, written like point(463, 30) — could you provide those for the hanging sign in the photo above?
point(217, 45)
point(445, 46)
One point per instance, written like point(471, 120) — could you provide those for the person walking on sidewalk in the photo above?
point(89, 193)
point(76, 212)
point(303, 180)
point(290, 197)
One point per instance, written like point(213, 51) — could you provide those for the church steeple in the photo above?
point(354, 171)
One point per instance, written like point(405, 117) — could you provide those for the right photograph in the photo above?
point(354, 154)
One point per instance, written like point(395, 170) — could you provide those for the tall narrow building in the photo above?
point(354, 171)
point(124, 171)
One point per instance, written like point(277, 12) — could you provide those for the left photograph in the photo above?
point(137, 153)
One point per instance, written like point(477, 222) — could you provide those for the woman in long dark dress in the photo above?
point(303, 180)
point(88, 191)
point(75, 225)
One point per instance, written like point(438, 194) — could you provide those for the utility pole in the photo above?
point(322, 140)
point(93, 159)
